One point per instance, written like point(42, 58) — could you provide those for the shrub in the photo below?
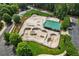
point(30, 13)
point(15, 39)
point(7, 18)
point(15, 8)
point(71, 50)
point(23, 49)
point(16, 18)
point(66, 23)
point(10, 9)
point(6, 36)
point(5, 10)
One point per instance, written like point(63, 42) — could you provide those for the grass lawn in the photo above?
point(41, 49)
point(30, 13)
point(65, 44)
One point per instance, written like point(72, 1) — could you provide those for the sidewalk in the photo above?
point(4, 28)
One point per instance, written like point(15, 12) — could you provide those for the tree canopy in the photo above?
point(15, 38)
point(70, 48)
point(7, 18)
point(16, 18)
point(65, 24)
point(23, 49)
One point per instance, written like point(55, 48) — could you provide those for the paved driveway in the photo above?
point(5, 50)
point(75, 33)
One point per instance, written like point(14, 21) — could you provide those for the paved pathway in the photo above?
point(5, 50)
point(75, 33)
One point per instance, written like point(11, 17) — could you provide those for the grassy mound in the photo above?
point(30, 13)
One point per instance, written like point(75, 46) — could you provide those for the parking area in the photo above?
point(74, 32)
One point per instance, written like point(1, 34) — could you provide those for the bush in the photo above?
point(15, 39)
point(66, 23)
point(71, 50)
point(5, 10)
point(7, 18)
point(23, 49)
point(30, 13)
point(16, 18)
point(10, 9)
point(6, 36)
point(15, 8)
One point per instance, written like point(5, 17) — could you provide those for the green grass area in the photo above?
point(64, 44)
point(37, 48)
point(30, 13)
point(69, 47)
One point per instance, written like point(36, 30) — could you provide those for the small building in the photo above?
point(50, 24)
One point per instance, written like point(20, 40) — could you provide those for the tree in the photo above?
point(46, 6)
point(10, 9)
point(15, 38)
point(60, 10)
point(0, 15)
point(7, 18)
point(1, 6)
point(71, 50)
point(16, 18)
point(66, 23)
point(15, 8)
point(6, 36)
point(23, 6)
point(23, 50)
point(5, 10)
point(70, 8)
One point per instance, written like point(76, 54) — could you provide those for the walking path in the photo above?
point(75, 32)
point(44, 11)
point(5, 50)
point(1, 32)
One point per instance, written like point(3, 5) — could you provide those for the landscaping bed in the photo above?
point(18, 26)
